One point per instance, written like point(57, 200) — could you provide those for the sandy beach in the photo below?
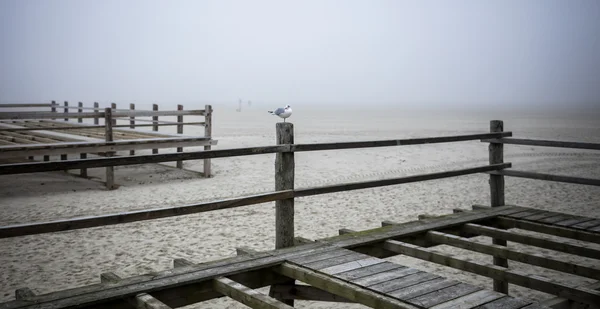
point(51, 262)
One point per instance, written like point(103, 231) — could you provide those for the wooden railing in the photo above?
point(284, 180)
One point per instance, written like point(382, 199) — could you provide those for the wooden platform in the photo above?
point(350, 268)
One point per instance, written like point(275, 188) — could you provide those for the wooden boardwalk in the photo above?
point(351, 268)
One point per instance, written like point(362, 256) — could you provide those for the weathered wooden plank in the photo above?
point(370, 280)
point(545, 143)
point(444, 295)
point(396, 181)
point(469, 301)
point(532, 241)
point(341, 288)
point(573, 221)
point(332, 270)
point(422, 288)
point(134, 216)
point(246, 295)
point(562, 303)
point(403, 282)
point(505, 303)
point(303, 260)
point(110, 172)
point(140, 301)
point(503, 252)
point(538, 216)
point(80, 127)
point(548, 177)
point(318, 265)
point(379, 235)
point(586, 225)
point(396, 142)
point(384, 266)
point(550, 229)
point(496, 272)
point(95, 147)
point(179, 164)
point(207, 133)
point(20, 105)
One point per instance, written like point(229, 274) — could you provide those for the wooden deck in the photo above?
point(351, 268)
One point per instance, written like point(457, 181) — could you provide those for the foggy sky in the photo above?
point(544, 52)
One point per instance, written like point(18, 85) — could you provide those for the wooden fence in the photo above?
point(284, 180)
point(17, 142)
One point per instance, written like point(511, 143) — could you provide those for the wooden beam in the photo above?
point(544, 143)
point(496, 272)
point(97, 147)
point(179, 164)
point(532, 240)
point(155, 128)
point(565, 232)
point(140, 301)
point(80, 110)
point(132, 125)
point(562, 303)
point(96, 112)
point(341, 288)
point(548, 177)
point(397, 181)
point(126, 113)
point(245, 295)
point(110, 173)
point(501, 251)
point(306, 292)
point(20, 105)
point(71, 127)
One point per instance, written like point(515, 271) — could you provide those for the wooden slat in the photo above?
point(471, 300)
point(422, 288)
point(123, 113)
point(545, 143)
point(336, 269)
point(503, 252)
point(246, 295)
point(550, 229)
point(305, 292)
point(341, 288)
point(368, 270)
point(406, 281)
point(303, 260)
point(384, 276)
point(548, 177)
point(352, 256)
point(71, 127)
point(21, 105)
point(532, 241)
point(587, 224)
point(505, 303)
point(444, 295)
point(495, 272)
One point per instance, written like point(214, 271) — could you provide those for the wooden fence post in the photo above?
point(96, 110)
point(114, 107)
point(132, 124)
point(66, 111)
point(284, 180)
point(53, 108)
point(180, 131)
point(110, 172)
point(496, 155)
point(155, 124)
point(80, 110)
point(207, 133)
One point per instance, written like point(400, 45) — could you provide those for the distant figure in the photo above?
point(282, 112)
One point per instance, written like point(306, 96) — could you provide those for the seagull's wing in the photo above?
point(279, 111)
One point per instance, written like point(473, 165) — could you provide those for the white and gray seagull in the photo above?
point(282, 112)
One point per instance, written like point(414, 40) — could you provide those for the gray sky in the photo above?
point(276, 52)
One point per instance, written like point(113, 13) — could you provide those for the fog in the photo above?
point(538, 53)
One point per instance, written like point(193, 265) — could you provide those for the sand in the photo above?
point(52, 262)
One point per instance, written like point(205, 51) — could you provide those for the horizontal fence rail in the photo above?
point(548, 177)
point(150, 214)
point(126, 113)
point(545, 143)
point(34, 167)
point(79, 127)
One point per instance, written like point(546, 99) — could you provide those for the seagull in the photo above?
point(282, 112)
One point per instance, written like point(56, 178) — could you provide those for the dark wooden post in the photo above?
point(496, 154)
point(132, 124)
point(96, 110)
point(207, 133)
point(110, 172)
point(180, 131)
point(284, 180)
point(53, 108)
point(114, 108)
point(66, 111)
point(80, 110)
point(83, 171)
point(155, 123)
